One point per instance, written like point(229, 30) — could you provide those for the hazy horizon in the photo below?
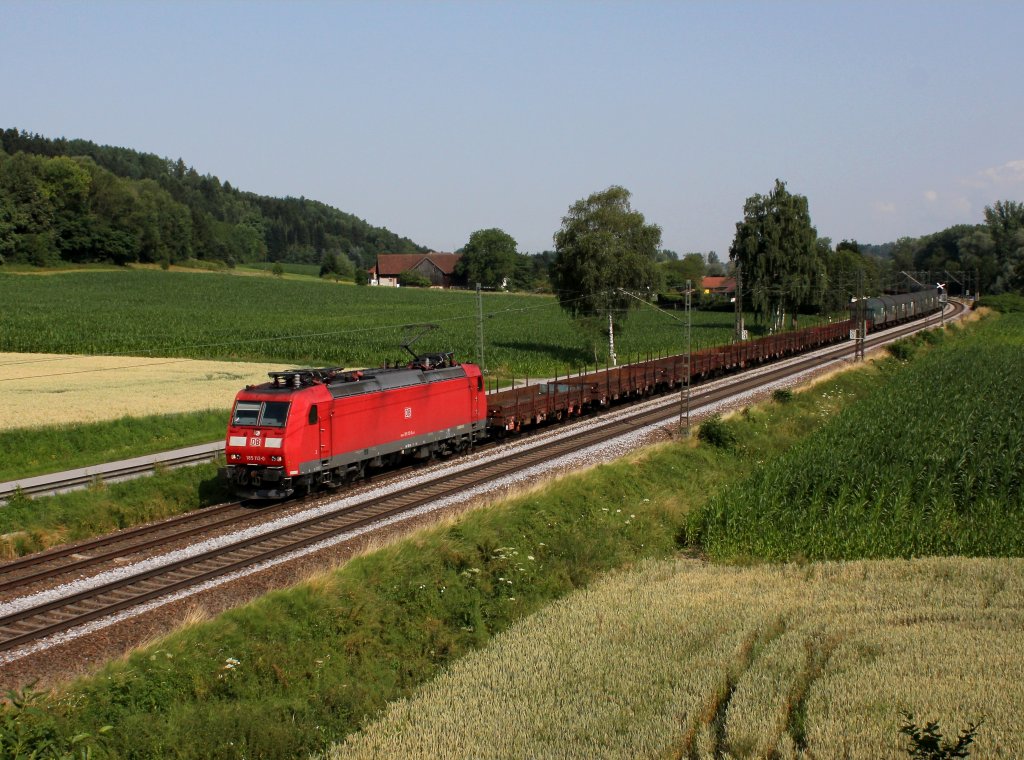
point(435, 119)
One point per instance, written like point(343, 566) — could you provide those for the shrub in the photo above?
point(782, 395)
point(926, 742)
point(716, 432)
point(37, 736)
point(413, 280)
point(902, 349)
point(1007, 302)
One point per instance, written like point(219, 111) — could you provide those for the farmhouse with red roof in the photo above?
point(719, 286)
point(439, 268)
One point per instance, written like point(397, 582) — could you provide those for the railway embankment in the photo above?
point(295, 670)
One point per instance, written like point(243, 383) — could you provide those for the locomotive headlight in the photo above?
point(275, 459)
point(236, 456)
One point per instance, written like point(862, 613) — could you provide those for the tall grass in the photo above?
point(931, 463)
point(1006, 302)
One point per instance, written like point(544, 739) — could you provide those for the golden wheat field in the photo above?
point(48, 389)
point(685, 659)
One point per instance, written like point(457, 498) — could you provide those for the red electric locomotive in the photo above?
point(309, 427)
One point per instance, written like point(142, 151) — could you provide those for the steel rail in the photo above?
point(58, 482)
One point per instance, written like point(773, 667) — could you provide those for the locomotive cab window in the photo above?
point(246, 413)
point(275, 413)
point(313, 415)
point(260, 413)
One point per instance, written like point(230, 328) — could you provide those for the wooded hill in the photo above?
point(76, 201)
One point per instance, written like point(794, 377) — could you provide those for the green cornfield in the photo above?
point(932, 463)
point(309, 322)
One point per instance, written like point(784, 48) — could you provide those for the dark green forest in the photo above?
point(75, 201)
point(994, 250)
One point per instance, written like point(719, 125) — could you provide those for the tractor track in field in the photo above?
point(170, 570)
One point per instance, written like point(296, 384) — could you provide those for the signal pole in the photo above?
point(739, 302)
point(684, 390)
point(611, 341)
point(860, 317)
point(480, 324)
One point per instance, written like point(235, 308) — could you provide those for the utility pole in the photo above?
point(480, 324)
point(684, 390)
point(739, 303)
point(860, 316)
point(611, 339)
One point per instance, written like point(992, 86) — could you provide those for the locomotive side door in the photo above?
point(320, 415)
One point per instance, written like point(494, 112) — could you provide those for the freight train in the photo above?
point(308, 428)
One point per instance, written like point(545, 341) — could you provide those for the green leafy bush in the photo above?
point(714, 431)
point(1006, 303)
point(26, 732)
point(412, 279)
point(903, 349)
point(782, 395)
point(926, 741)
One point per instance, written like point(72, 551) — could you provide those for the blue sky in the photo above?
point(436, 119)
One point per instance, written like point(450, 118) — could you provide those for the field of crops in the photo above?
point(63, 390)
point(683, 659)
point(931, 464)
point(221, 316)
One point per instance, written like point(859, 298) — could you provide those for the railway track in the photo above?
point(35, 621)
point(58, 482)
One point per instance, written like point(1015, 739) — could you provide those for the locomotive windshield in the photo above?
point(260, 413)
point(275, 413)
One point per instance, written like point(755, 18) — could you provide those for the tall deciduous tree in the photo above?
point(777, 247)
point(604, 248)
point(490, 258)
point(1005, 223)
point(715, 267)
point(849, 273)
point(691, 267)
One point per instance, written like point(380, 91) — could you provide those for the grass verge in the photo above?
point(40, 450)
